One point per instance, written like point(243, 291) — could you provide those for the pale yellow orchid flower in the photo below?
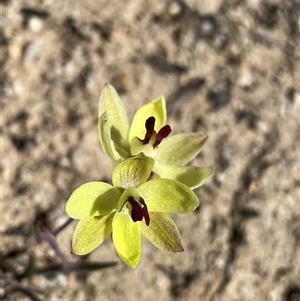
point(149, 134)
point(131, 207)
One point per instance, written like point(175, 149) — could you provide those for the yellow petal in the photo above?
point(132, 172)
point(155, 108)
point(169, 196)
point(187, 146)
point(127, 238)
point(113, 148)
point(90, 233)
point(191, 176)
point(92, 199)
point(162, 232)
point(116, 113)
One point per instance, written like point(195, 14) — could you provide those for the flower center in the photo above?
point(151, 140)
point(139, 210)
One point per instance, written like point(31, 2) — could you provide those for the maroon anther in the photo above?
point(162, 133)
point(139, 212)
point(150, 122)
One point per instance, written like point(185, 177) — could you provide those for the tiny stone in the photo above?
point(207, 26)
point(253, 188)
point(18, 88)
point(61, 280)
point(65, 162)
point(263, 126)
point(174, 9)
point(32, 51)
point(246, 79)
point(254, 4)
point(36, 24)
point(207, 7)
point(220, 41)
point(15, 50)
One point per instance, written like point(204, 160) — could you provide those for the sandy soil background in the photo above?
point(227, 69)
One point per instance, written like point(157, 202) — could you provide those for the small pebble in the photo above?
point(65, 162)
point(36, 24)
point(246, 79)
point(263, 126)
point(32, 51)
point(207, 26)
point(220, 41)
point(174, 9)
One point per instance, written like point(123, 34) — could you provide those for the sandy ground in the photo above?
point(227, 69)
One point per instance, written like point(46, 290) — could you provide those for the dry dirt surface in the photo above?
point(227, 69)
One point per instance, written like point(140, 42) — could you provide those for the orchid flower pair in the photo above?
point(149, 182)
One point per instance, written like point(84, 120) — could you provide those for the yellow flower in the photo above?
point(132, 206)
point(148, 134)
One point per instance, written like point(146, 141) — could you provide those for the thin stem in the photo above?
point(62, 227)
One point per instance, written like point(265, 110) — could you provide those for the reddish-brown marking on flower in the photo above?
point(150, 122)
point(162, 133)
point(138, 212)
